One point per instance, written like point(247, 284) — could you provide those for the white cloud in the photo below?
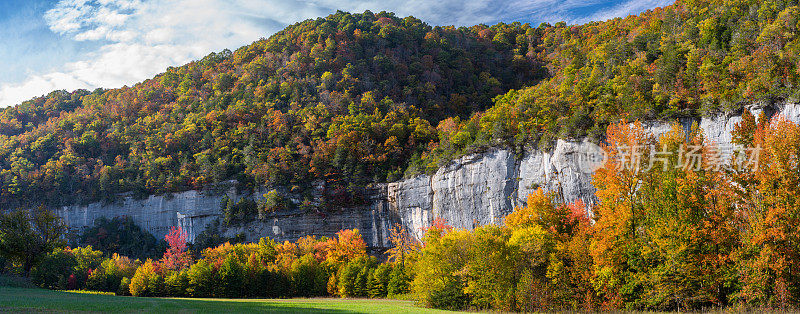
point(627, 8)
point(141, 38)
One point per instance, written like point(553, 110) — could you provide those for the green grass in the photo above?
point(40, 300)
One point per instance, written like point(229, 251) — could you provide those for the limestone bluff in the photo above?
point(470, 191)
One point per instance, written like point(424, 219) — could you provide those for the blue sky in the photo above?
point(69, 44)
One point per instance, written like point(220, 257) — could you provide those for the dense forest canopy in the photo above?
point(350, 96)
point(689, 59)
point(359, 98)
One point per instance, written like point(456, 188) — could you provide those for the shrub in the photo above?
point(144, 282)
point(54, 270)
point(353, 277)
point(108, 276)
point(122, 236)
point(124, 287)
point(378, 283)
point(447, 295)
point(97, 281)
point(68, 269)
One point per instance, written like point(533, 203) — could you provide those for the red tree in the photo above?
point(176, 257)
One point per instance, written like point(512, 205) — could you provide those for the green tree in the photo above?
point(353, 277)
point(378, 281)
point(438, 282)
point(28, 235)
point(231, 278)
point(202, 280)
point(399, 281)
point(54, 270)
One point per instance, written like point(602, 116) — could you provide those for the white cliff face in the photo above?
point(790, 111)
point(411, 203)
point(155, 214)
point(474, 190)
point(480, 189)
point(483, 188)
point(194, 210)
point(717, 130)
point(566, 170)
point(470, 191)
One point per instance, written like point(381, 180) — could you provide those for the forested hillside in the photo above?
point(359, 98)
point(678, 223)
point(349, 98)
point(689, 59)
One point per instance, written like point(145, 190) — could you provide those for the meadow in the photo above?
point(40, 300)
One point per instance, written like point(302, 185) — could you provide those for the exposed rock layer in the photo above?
point(471, 191)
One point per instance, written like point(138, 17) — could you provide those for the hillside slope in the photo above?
point(359, 98)
point(349, 98)
point(690, 59)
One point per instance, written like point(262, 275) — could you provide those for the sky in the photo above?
point(49, 45)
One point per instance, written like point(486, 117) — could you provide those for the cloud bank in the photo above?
point(141, 38)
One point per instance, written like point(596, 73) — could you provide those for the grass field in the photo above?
point(40, 300)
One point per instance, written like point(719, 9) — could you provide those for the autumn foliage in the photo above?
point(353, 99)
point(660, 236)
point(310, 266)
point(663, 235)
point(349, 97)
point(176, 257)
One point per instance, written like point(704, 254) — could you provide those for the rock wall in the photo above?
point(192, 210)
point(483, 188)
point(372, 219)
point(195, 210)
point(471, 191)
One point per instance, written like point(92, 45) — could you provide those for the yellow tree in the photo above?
point(404, 244)
point(554, 266)
point(770, 212)
point(615, 248)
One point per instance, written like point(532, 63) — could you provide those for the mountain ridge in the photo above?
point(357, 98)
point(282, 110)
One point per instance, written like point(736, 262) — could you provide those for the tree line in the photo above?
point(679, 236)
point(352, 99)
point(664, 236)
point(348, 99)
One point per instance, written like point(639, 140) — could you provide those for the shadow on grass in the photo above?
point(15, 282)
point(27, 299)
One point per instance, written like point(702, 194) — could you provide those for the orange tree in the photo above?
point(665, 230)
point(768, 258)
